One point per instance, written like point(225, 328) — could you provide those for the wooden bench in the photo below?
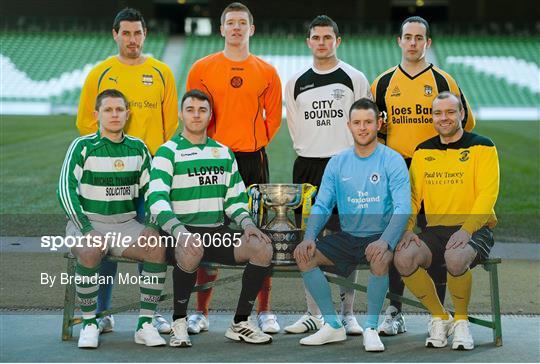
point(489, 265)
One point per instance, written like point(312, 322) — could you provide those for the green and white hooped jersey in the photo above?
point(100, 179)
point(196, 185)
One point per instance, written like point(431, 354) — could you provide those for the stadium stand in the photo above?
point(50, 67)
point(494, 71)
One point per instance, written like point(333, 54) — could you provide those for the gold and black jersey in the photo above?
point(458, 182)
point(407, 103)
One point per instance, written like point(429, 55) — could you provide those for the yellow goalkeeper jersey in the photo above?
point(458, 182)
point(151, 91)
point(407, 102)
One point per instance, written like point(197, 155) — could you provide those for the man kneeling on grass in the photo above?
point(370, 185)
point(102, 177)
point(194, 183)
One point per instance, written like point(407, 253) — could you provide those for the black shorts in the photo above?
point(345, 251)
point(253, 167)
point(311, 170)
point(211, 240)
point(436, 238)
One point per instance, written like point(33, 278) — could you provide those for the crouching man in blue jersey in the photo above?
point(370, 185)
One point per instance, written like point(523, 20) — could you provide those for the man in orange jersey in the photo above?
point(405, 93)
point(246, 102)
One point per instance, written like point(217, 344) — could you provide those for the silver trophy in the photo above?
point(285, 235)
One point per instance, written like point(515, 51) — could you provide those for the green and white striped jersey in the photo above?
point(101, 180)
point(196, 185)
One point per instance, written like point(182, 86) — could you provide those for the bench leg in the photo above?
point(495, 304)
point(69, 303)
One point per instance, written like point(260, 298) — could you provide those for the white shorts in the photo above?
point(116, 246)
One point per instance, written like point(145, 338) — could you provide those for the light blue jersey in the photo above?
point(373, 195)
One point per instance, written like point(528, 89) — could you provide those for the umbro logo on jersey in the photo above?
point(464, 156)
point(114, 79)
point(428, 90)
point(429, 159)
point(147, 80)
point(311, 85)
point(395, 92)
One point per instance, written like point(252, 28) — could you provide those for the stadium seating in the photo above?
point(50, 67)
point(494, 71)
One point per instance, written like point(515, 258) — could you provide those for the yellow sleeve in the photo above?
point(170, 106)
point(86, 122)
point(469, 121)
point(417, 183)
point(487, 189)
point(374, 89)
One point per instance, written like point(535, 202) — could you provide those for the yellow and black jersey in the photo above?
point(407, 103)
point(458, 182)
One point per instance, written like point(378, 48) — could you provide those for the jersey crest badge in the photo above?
point(374, 178)
point(118, 165)
point(395, 92)
point(464, 156)
point(215, 152)
point(338, 94)
point(236, 81)
point(147, 80)
point(428, 90)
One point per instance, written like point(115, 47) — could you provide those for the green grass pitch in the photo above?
point(32, 149)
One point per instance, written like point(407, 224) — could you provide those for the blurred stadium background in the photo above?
point(491, 47)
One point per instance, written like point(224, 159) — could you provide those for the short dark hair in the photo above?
point(196, 94)
point(448, 95)
point(110, 93)
point(128, 14)
point(236, 7)
point(323, 21)
point(364, 104)
point(415, 19)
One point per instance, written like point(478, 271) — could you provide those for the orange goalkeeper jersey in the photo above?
point(246, 100)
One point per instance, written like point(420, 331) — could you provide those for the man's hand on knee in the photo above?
point(459, 239)
point(149, 239)
point(188, 244)
point(408, 238)
point(304, 251)
point(251, 232)
point(375, 251)
point(95, 239)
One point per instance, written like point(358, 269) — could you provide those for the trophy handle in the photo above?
point(308, 192)
point(255, 204)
